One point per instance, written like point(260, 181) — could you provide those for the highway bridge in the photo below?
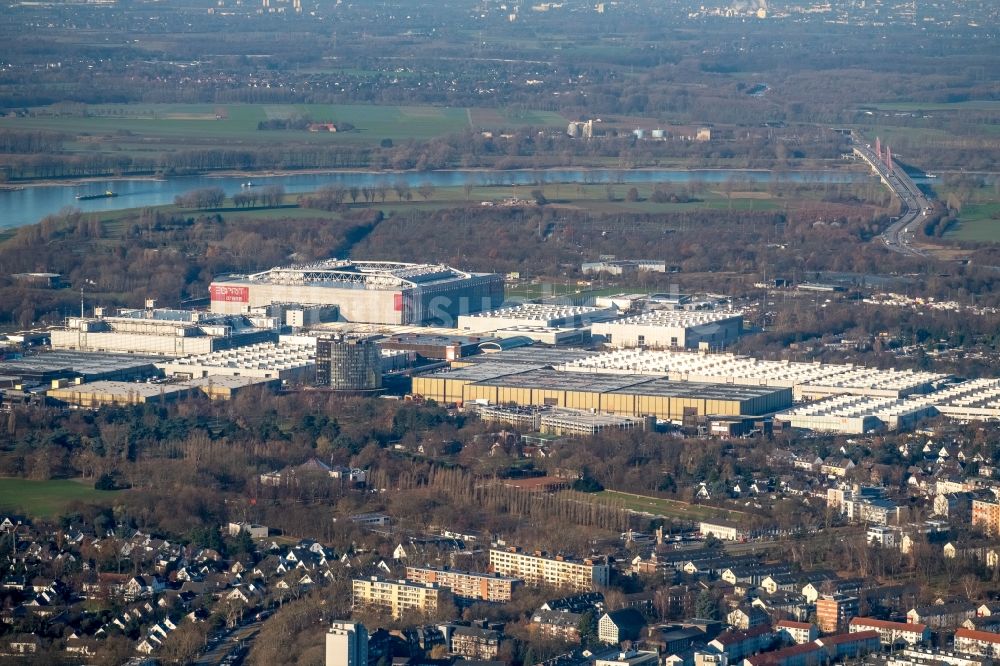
point(914, 205)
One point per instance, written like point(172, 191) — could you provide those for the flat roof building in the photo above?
point(546, 335)
point(672, 329)
point(857, 414)
point(538, 568)
point(557, 421)
point(101, 393)
point(436, 346)
point(534, 356)
point(396, 596)
point(162, 332)
point(448, 386)
point(88, 366)
point(807, 380)
point(536, 315)
point(467, 584)
point(346, 644)
point(978, 399)
point(616, 394)
point(292, 362)
point(349, 363)
point(624, 266)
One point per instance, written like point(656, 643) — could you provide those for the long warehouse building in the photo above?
point(622, 394)
point(379, 292)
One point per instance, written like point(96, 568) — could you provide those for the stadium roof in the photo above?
point(360, 274)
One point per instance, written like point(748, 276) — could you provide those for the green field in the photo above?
point(47, 498)
point(592, 197)
point(205, 124)
point(978, 223)
point(666, 508)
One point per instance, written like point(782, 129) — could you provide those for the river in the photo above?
point(31, 204)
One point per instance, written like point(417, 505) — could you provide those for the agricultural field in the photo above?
point(43, 499)
point(978, 223)
point(205, 124)
point(593, 197)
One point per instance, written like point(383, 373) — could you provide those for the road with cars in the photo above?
point(231, 646)
point(898, 237)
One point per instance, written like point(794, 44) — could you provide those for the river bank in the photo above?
point(810, 166)
point(31, 204)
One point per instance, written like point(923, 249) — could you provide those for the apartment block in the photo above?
point(981, 643)
point(397, 596)
point(539, 568)
point(892, 633)
point(986, 516)
point(347, 644)
point(834, 612)
point(797, 632)
point(467, 584)
point(475, 643)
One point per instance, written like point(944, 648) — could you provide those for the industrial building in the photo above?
point(381, 292)
point(684, 402)
point(546, 335)
point(218, 387)
point(857, 414)
point(978, 399)
point(686, 387)
point(618, 394)
point(436, 346)
point(448, 386)
point(41, 369)
point(297, 315)
point(807, 380)
point(624, 266)
point(101, 393)
point(533, 356)
point(535, 315)
point(349, 363)
point(558, 421)
point(291, 362)
point(162, 332)
point(671, 329)
point(576, 422)
point(851, 413)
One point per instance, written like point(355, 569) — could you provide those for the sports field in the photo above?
point(172, 125)
point(42, 499)
point(657, 506)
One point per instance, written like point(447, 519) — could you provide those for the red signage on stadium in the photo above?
point(229, 294)
point(397, 302)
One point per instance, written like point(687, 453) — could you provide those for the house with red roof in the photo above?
point(982, 643)
point(851, 645)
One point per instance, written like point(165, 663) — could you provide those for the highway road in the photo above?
point(899, 236)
